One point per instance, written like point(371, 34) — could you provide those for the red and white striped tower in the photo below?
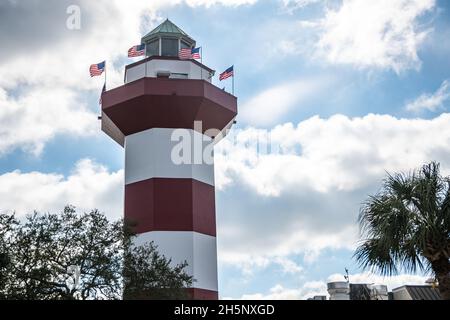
point(171, 201)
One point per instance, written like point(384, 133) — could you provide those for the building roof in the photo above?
point(422, 292)
point(168, 28)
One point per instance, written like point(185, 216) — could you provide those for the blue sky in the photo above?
point(349, 89)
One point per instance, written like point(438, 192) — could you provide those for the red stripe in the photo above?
point(185, 54)
point(95, 71)
point(164, 204)
point(133, 53)
point(202, 294)
point(225, 75)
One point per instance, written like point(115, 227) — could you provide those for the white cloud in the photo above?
point(289, 266)
point(375, 35)
point(269, 106)
point(252, 264)
point(307, 198)
point(292, 5)
point(89, 186)
point(338, 153)
point(383, 34)
point(279, 292)
point(431, 102)
point(37, 115)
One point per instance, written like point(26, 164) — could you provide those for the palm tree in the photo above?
point(406, 226)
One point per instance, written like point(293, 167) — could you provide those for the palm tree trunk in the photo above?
point(441, 269)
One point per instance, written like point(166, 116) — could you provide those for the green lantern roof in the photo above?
point(167, 28)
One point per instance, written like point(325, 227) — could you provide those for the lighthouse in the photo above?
point(167, 115)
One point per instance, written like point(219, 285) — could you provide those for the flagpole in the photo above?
point(105, 74)
point(233, 80)
point(201, 61)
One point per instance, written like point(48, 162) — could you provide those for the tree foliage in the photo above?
point(37, 254)
point(406, 226)
point(148, 275)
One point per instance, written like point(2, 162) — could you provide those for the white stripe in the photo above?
point(199, 250)
point(148, 154)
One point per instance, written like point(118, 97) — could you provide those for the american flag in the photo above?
point(136, 51)
point(185, 54)
point(195, 53)
point(97, 68)
point(227, 73)
point(188, 53)
point(101, 94)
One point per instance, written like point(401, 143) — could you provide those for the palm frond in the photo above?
point(405, 222)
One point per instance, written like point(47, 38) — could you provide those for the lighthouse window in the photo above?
point(169, 47)
point(184, 45)
point(153, 48)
